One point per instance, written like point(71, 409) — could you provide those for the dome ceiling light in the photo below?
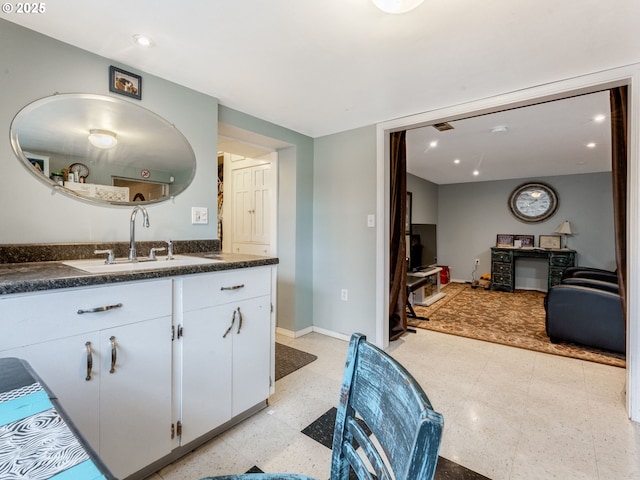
point(396, 6)
point(102, 138)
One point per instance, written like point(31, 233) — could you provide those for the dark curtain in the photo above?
point(397, 245)
point(618, 100)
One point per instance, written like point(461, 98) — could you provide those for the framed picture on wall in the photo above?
point(549, 241)
point(504, 240)
point(407, 221)
point(125, 83)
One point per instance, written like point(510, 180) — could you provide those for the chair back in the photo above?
point(378, 392)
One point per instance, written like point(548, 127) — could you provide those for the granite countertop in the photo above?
point(50, 275)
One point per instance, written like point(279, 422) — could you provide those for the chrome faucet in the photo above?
point(132, 230)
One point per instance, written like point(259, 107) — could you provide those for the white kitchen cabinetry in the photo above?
point(226, 343)
point(252, 215)
point(111, 369)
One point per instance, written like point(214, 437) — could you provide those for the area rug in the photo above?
point(288, 360)
point(514, 319)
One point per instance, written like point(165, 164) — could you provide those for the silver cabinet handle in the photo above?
point(100, 309)
point(89, 361)
point(235, 287)
point(114, 354)
point(240, 321)
point(233, 320)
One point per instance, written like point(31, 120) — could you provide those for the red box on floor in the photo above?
point(444, 274)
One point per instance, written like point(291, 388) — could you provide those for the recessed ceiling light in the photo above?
point(591, 145)
point(457, 161)
point(599, 118)
point(433, 144)
point(476, 173)
point(143, 40)
point(499, 129)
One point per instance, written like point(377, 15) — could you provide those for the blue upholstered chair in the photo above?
point(379, 391)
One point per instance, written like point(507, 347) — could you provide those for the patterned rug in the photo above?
point(514, 319)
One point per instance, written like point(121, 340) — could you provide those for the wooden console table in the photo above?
point(503, 265)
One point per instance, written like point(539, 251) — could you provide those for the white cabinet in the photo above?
point(226, 342)
point(111, 369)
point(252, 215)
point(145, 368)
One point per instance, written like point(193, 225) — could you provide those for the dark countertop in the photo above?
point(51, 275)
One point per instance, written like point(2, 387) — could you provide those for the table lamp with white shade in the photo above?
point(564, 229)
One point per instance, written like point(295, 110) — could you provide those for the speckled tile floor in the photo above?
point(509, 414)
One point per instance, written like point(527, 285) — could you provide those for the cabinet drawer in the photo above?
point(501, 279)
point(207, 290)
point(561, 260)
point(251, 248)
point(501, 257)
point(39, 317)
point(501, 267)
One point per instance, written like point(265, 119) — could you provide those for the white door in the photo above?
point(261, 211)
point(135, 395)
point(206, 371)
point(251, 354)
point(242, 205)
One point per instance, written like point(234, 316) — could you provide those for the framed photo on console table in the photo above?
point(523, 241)
point(504, 240)
point(549, 241)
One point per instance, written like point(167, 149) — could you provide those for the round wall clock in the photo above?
point(533, 202)
point(145, 173)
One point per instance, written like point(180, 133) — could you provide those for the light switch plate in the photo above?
point(199, 215)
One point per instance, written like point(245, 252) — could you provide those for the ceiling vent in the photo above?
point(443, 127)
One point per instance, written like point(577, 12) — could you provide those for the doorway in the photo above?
point(586, 84)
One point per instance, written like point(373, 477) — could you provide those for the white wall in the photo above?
point(37, 66)
point(344, 253)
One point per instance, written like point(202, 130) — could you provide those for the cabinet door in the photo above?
point(261, 216)
point(251, 354)
point(64, 365)
point(135, 395)
point(242, 205)
point(206, 371)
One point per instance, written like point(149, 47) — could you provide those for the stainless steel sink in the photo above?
point(124, 265)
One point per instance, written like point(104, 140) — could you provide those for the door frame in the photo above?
point(628, 75)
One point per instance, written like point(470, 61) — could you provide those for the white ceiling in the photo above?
point(324, 66)
point(540, 140)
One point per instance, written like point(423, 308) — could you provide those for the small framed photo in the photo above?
point(125, 83)
point(523, 241)
point(504, 240)
point(549, 241)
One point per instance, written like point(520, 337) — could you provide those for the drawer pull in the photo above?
point(235, 287)
point(233, 320)
point(114, 354)
point(240, 320)
point(100, 309)
point(89, 361)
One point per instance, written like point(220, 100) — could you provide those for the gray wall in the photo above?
point(295, 212)
point(35, 66)
point(472, 214)
point(344, 252)
point(424, 200)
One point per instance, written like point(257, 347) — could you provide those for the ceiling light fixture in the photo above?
point(143, 40)
point(456, 161)
point(476, 173)
point(591, 145)
point(599, 118)
point(433, 143)
point(499, 129)
point(102, 138)
point(397, 6)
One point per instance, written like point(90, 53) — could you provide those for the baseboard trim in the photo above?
point(305, 331)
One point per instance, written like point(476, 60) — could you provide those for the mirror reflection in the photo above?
point(102, 149)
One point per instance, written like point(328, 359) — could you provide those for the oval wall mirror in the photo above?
point(102, 149)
